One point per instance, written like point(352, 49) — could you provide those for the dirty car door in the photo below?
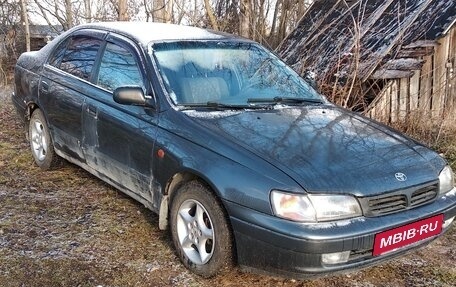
point(119, 139)
point(64, 84)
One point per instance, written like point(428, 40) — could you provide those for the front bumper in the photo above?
point(268, 244)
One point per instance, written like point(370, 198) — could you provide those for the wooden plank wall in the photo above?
point(451, 99)
point(430, 92)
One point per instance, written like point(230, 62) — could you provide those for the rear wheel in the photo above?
point(200, 230)
point(41, 142)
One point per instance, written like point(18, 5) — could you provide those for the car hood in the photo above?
point(327, 149)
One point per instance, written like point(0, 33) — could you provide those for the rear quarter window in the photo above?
point(58, 53)
point(78, 58)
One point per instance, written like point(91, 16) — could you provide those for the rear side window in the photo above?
point(79, 56)
point(57, 56)
point(118, 68)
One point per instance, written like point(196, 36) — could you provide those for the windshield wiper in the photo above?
point(281, 100)
point(217, 105)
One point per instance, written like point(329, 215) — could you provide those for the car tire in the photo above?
point(41, 143)
point(200, 230)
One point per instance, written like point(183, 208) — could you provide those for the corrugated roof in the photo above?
point(45, 30)
point(332, 32)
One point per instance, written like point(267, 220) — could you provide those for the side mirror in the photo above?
point(130, 96)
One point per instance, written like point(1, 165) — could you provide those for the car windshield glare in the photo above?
point(230, 73)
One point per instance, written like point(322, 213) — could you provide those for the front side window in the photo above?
point(118, 68)
point(80, 56)
point(227, 73)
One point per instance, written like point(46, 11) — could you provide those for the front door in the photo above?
point(118, 139)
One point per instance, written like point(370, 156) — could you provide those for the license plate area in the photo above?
point(408, 234)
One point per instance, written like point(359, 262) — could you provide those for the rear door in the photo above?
point(64, 84)
point(118, 139)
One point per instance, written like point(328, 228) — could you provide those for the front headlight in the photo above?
point(446, 180)
point(314, 208)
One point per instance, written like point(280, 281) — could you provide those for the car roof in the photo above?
point(146, 32)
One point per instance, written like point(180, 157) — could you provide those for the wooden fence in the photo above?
point(430, 92)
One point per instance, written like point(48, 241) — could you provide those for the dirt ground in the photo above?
point(67, 228)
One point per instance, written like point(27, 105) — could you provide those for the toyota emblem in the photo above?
point(400, 176)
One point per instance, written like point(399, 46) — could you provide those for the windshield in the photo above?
point(228, 73)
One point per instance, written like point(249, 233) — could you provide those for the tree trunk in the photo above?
point(146, 10)
point(211, 15)
point(26, 25)
point(159, 11)
point(283, 20)
point(169, 11)
point(123, 16)
point(272, 35)
point(43, 13)
point(88, 11)
point(261, 23)
point(68, 14)
point(244, 19)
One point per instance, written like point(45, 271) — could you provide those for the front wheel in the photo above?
point(200, 230)
point(41, 142)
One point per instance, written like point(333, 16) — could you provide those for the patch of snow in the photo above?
point(147, 31)
point(414, 262)
point(361, 284)
point(449, 27)
point(183, 279)
point(151, 267)
point(212, 114)
point(402, 62)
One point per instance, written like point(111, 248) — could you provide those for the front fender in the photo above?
point(248, 183)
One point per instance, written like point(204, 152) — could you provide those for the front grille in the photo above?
point(399, 200)
point(387, 204)
point(424, 195)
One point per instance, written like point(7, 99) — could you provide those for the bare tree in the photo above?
point(244, 19)
point(123, 14)
point(12, 39)
point(211, 15)
point(283, 19)
point(170, 11)
point(69, 14)
point(266, 21)
point(26, 25)
point(106, 10)
point(158, 12)
point(56, 10)
point(88, 10)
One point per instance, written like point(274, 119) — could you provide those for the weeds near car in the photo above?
point(67, 228)
point(439, 136)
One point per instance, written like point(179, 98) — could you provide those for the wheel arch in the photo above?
point(174, 183)
point(29, 109)
point(47, 159)
point(177, 181)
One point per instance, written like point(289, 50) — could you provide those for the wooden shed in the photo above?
point(390, 58)
point(40, 35)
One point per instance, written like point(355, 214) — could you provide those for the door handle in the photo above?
point(44, 86)
point(91, 110)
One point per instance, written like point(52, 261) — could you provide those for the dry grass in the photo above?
point(67, 228)
point(440, 135)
